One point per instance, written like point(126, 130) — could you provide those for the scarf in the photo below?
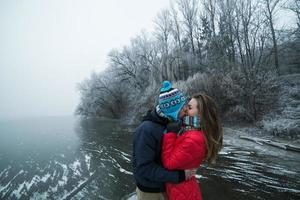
point(190, 123)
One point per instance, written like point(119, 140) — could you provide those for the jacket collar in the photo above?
point(154, 117)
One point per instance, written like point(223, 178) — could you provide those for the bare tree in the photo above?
point(270, 13)
point(135, 63)
point(163, 32)
point(227, 13)
point(178, 50)
point(295, 7)
point(189, 11)
point(176, 29)
point(250, 35)
point(210, 8)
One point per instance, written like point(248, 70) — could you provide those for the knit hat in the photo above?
point(171, 101)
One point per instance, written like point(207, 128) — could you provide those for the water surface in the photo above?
point(63, 158)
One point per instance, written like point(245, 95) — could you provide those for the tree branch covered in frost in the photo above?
point(227, 49)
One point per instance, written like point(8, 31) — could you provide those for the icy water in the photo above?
point(65, 158)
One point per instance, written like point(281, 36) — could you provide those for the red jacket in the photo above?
point(184, 152)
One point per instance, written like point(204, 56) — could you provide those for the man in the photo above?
point(148, 172)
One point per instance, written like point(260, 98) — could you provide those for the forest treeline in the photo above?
point(233, 50)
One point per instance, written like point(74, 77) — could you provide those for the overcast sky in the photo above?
point(47, 46)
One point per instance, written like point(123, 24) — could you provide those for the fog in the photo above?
point(47, 47)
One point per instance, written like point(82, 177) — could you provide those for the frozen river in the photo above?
point(65, 158)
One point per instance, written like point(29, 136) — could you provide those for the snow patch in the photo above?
point(11, 180)
point(5, 171)
point(111, 175)
point(17, 192)
point(75, 166)
point(65, 173)
point(34, 180)
point(88, 161)
point(125, 171)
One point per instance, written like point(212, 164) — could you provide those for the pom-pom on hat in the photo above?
point(171, 101)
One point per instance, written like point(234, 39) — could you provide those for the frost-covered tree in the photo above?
point(223, 47)
point(103, 95)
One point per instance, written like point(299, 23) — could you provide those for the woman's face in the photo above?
point(192, 108)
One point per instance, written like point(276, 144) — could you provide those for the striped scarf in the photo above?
point(190, 123)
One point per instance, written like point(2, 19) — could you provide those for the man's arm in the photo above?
point(145, 162)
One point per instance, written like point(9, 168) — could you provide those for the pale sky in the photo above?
point(48, 46)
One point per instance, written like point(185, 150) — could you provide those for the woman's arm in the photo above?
point(185, 152)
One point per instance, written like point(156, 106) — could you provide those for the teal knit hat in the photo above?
point(171, 101)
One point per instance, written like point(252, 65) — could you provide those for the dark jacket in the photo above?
point(148, 172)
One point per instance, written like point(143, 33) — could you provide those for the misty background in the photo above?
point(47, 47)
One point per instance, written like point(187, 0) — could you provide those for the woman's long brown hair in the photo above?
point(211, 125)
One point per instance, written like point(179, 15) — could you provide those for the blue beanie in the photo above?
point(171, 101)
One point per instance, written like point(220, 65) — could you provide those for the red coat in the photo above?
point(184, 152)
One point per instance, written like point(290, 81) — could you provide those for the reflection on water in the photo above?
point(63, 158)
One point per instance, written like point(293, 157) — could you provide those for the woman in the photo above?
point(199, 139)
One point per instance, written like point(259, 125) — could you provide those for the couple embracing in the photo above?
point(171, 142)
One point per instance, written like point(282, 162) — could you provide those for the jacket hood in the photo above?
point(154, 117)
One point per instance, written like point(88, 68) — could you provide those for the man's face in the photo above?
point(182, 112)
